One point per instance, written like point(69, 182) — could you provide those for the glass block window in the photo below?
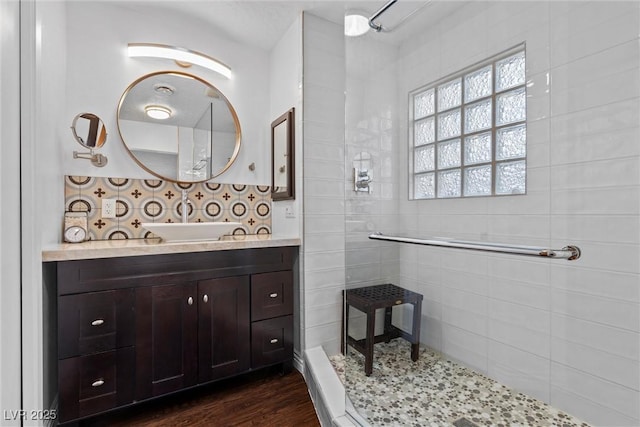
point(468, 131)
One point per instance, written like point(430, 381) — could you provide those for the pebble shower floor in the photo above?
point(436, 392)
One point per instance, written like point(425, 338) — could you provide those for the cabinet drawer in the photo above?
point(95, 322)
point(271, 295)
point(96, 383)
point(271, 341)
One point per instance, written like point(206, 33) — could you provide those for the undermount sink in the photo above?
point(190, 232)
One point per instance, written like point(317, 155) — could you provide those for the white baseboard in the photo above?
point(298, 362)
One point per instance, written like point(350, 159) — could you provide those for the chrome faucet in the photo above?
point(185, 202)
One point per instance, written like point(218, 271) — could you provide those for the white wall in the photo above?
point(10, 387)
point(594, 174)
point(285, 92)
point(564, 332)
point(324, 210)
point(43, 67)
point(99, 72)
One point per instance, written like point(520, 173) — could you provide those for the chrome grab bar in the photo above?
point(569, 253)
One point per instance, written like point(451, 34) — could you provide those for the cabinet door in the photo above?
point(166, 338)
point(223, 330)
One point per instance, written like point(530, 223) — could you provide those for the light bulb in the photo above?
point(355, 25)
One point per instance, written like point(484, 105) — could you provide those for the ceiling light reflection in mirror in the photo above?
point(157, 112)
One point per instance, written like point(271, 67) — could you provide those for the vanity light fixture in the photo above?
point(157, 112)
point(355, 24)
point(183, 57)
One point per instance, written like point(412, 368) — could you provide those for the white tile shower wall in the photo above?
point(564, 332)
point(371, 132)
point(323, 164)
point(529, 374)
point(594, 74)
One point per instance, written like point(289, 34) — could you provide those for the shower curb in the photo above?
point(327, 392)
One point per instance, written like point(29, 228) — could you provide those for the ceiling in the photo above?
point(262, 23)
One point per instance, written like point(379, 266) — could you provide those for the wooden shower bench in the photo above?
point(370, 298)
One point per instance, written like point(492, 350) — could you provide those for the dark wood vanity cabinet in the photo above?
point(134, 328)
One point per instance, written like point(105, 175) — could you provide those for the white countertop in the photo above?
point(135, 247)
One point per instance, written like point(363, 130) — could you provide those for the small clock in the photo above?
point(75, 234)
point(75, 227)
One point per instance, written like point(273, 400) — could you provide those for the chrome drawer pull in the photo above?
point(97, 322)
point(97, 383)
point(205, 298)
point(275, 340)
point(190, 301)
point(273, 295)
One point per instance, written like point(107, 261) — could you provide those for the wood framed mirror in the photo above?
point(283, 157)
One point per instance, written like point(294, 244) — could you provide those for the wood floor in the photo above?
point(259, 399)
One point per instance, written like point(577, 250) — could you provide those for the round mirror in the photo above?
point(178, 127)
point(89, 130)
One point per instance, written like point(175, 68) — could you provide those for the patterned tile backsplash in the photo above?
point(152, 200)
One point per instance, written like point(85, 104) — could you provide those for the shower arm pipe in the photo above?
point(383, 9)
point(569, 253)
